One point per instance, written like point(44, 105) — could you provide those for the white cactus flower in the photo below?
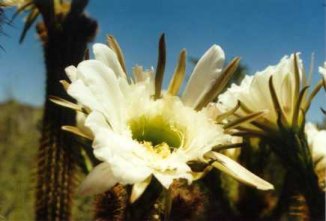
point(140, 131)
point(280, 91)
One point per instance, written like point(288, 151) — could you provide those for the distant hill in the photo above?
point(19, 139)
point(19, 135)
point(18, 119)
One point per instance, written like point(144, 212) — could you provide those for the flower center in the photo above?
point(155, 130)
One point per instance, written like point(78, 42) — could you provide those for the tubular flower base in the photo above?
point(140, 131)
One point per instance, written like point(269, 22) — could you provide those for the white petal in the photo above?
point(141, 75)
point(139, 188)
point(322, 71)
point(208, 68)
point(285, 95)
point(96, 121)
point(83, 95)
point(212, 111)
point(120, 152)
point(128, 169)
point(116, 151)
point(317, 144)
point(261, 94)
point(71, 72)
point(105, 89)
point(107, 56)
point(238, 172)
point(254, 91)
point(125, 87)
point(80, 123)
point(99, 180)
point(311, 131)
point(166, 178)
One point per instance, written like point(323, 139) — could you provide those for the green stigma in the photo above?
point(155, 130)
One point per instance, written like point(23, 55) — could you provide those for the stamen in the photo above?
point(163, 150)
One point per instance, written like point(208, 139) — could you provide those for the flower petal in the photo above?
point(238, 172)
point(167, 177)
point(104, 86)
point(322, 71)
point(107, 56)
point(122, 153)
point(208, 68)
point(99, 180)
point(139, 188)
point(71, 72)
point(141, 75)
point(83, 95)
point(317, 144)
point(95, 121)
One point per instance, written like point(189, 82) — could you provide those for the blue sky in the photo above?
point(260, 32)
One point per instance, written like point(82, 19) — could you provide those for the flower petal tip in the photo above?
point(267, 186)
point(216, 49)
point(98, 47)
point(71, 72)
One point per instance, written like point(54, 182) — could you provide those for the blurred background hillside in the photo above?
point(19, 135)
point(19, 139)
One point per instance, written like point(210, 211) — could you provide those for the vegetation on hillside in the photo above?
point(19, 138)
point(19, 135)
